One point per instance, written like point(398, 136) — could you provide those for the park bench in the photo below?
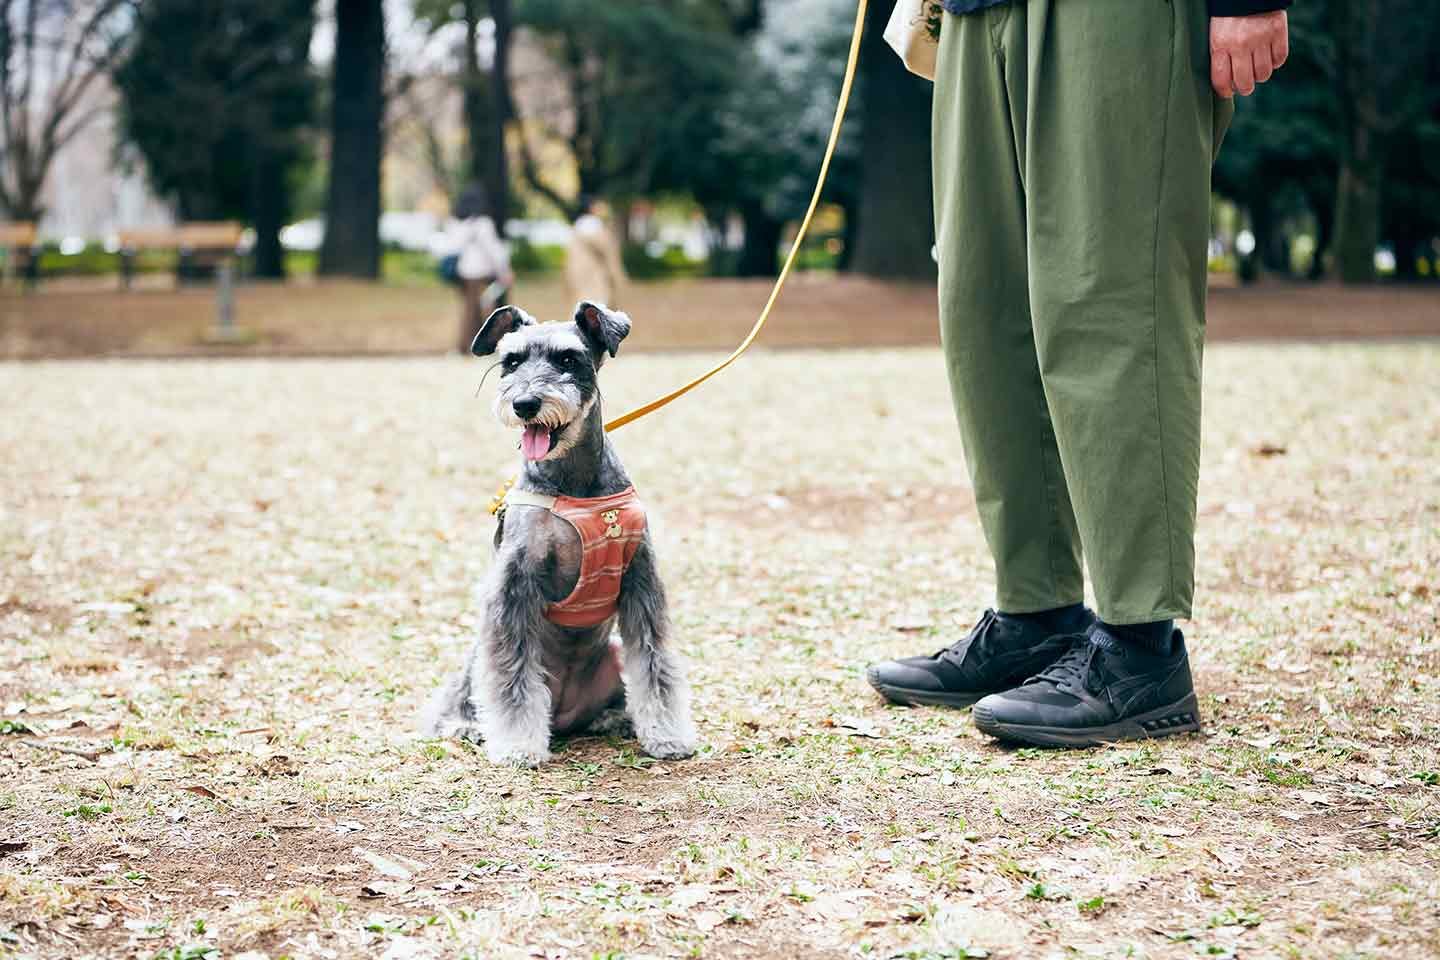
point(203, 247)
point(18, 241)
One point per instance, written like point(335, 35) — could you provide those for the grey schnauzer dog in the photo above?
point(527, 675)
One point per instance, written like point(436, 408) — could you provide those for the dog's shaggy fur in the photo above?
point(525, 677)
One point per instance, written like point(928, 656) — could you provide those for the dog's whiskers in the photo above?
point(489, 370)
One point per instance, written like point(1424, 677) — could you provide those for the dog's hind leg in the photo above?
point(656, 692)
point(451, 710)
point(507, 675)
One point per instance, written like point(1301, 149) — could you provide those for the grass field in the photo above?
point(227, 587)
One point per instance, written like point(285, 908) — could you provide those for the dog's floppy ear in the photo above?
point(502, 321)
point(602, 327)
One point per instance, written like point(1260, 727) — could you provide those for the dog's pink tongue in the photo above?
point(535, 442)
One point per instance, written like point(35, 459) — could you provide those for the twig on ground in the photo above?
point(92, 755)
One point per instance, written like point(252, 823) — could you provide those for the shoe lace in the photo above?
point(1073, 667)
point(957, 650)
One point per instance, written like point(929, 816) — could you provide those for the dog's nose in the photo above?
point(527, 407)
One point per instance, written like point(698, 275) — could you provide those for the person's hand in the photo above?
point(1244, 51)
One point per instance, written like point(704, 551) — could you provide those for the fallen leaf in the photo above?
point(386, 888)
point(859, 727)
point(689, 896)
point(202, 791)
point(707, 920)
point(388, 867)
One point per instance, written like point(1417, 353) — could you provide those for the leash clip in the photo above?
point(497, 502)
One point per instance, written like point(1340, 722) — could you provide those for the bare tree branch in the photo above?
point(532, 176)
point(72, 63)
point(79, 42)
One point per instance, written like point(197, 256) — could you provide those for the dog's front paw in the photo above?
point(669, 749)
point(517, 756)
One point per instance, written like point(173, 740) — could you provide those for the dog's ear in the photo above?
point(502, 321)
point(602, 327)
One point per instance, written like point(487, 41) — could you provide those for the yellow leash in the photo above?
point(841, 105)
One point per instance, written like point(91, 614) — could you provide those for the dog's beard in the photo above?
point(553, 431)
point(562, 441)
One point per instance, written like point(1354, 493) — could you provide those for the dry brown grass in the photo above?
point(339, 318)
point(235, 582)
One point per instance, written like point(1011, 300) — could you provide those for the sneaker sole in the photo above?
point(920, 698)
point(1182, 716)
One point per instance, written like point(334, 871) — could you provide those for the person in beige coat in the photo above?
point(593, 269)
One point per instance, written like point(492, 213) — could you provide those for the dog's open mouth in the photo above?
point(538, 440)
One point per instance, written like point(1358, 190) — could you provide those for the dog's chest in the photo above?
point(564, 553)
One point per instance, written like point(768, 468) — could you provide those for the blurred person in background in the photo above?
point(481, 262)
point(593, 269)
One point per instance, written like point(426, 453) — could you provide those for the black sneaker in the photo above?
point(1102, 690)
point(999, 653)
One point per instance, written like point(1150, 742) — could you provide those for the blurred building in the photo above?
point(96, 186)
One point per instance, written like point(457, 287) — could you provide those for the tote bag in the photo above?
point(914, 33)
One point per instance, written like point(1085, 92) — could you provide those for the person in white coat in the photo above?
point(483, 262)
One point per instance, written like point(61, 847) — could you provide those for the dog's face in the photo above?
point(548, 373)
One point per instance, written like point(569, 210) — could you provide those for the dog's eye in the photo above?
point(567, 361)
point(509, 364)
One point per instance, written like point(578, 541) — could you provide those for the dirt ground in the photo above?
point(332, 319)
point(227, 587)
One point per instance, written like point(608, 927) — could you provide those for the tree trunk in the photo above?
point(488, 106)
point(503, 109)
point(1357, 189)
point(1357, 216)
point(1322, 207)
point(1272, 249)
point(760, 253)
point(270, 206)
point(1408, 240)
point(895, 228)
point(352, 208)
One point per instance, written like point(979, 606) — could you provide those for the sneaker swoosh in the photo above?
point(1124, 693)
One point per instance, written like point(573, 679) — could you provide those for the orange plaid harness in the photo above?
point(611, 529)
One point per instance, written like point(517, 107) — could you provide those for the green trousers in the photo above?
point(1073, 141)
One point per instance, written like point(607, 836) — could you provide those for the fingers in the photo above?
point(1243, 69)
point(1280, 48)
point(1262, 64)
point(1221, 77)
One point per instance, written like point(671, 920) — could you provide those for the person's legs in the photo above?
point(470, 320)
point(1121, 132)
point(985, 322)
point(1122, 129)
point(995, 380)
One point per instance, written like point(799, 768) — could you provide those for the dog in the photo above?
point(573, 557)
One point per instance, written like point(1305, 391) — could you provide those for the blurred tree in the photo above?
point(1280, 157)
point(1410, 215)
point(217, 94)
point(52, 53)
point(1346, 134)
point(893, 227)
point(1377, 51)
point(486, 98)
point(639, 76)
point(756, 149)
point(352, 208)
